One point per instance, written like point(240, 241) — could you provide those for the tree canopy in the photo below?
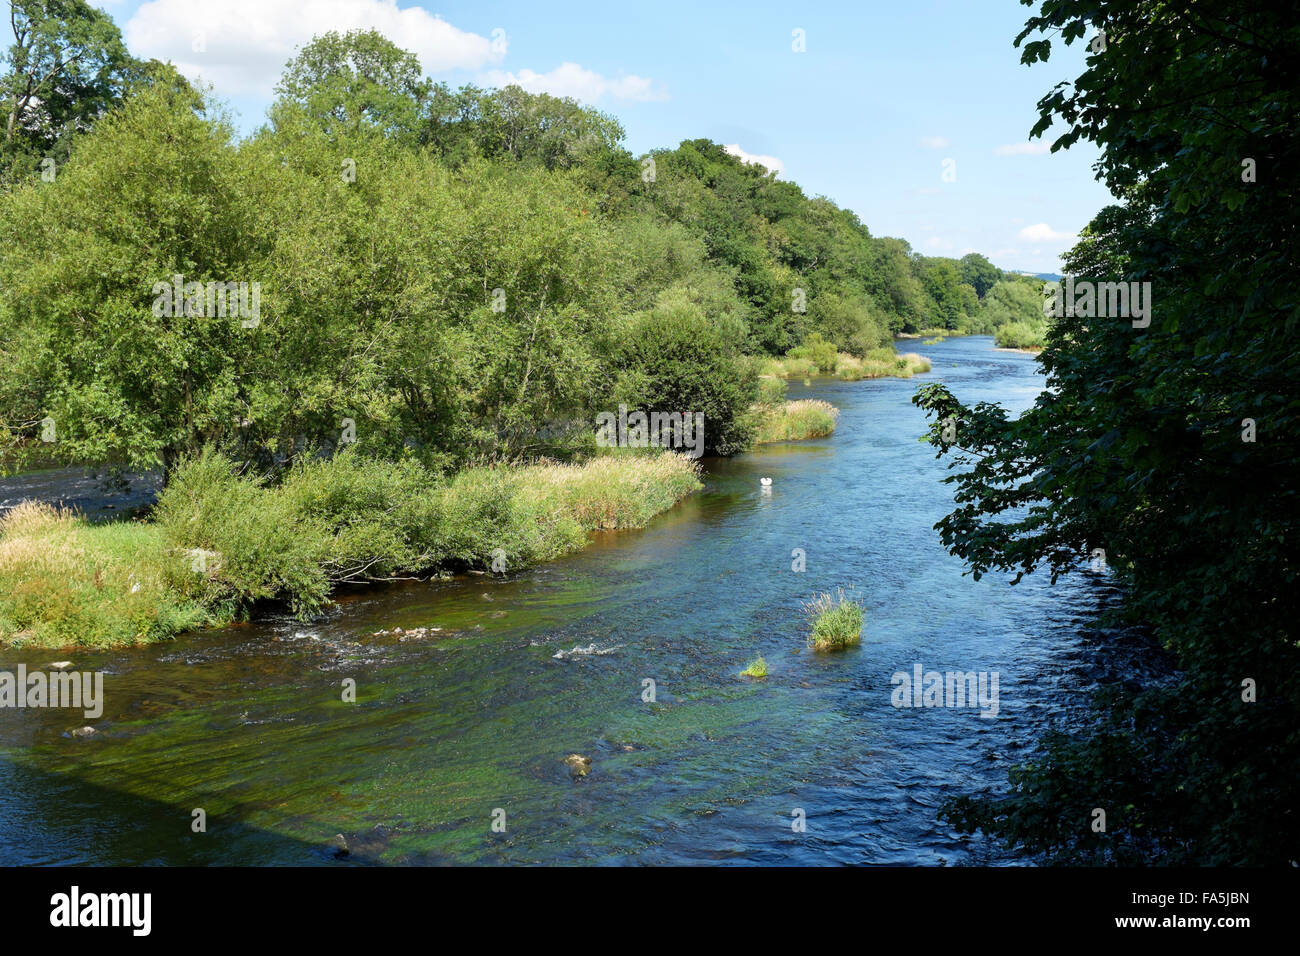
point(1169, 448)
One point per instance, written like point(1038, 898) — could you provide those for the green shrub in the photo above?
point(675, 359)
point(1019, 335)
point(805, 418)
point(836, 621)
point(756, 669)
point(244, 542)
point(221, 541)
point(771, 390)
point(816, 350)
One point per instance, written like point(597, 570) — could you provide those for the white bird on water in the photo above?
point(765, 482)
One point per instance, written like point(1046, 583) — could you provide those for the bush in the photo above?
point(1019, 335)
point(65, 582)
point(756, 669)
point(771, 389)
point(677, 360)
point(816, 351)
point(243, 542)
point(836, 621)
point(806, 418)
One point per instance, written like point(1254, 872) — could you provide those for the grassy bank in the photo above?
point(1023, 336)
point(790, 421)
point(219, 543)
point(878, 363)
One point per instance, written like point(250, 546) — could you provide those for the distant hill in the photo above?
point(1046, 276)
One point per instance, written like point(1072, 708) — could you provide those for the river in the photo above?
point(470, 725)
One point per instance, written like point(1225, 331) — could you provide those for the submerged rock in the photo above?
point(340, 845)
point(591, 650)
point(579, 766)
point(409, 633)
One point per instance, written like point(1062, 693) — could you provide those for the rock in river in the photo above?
point(579, 766)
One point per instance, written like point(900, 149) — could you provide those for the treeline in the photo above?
point(1163, 449)
point(445, 275)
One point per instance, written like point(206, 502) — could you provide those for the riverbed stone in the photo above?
point(579, 766)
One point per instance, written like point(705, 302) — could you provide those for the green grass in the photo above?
point(65, 582)
point(878, 363)
point(756, 669)
point(836, 621)
point(791, 421)
point(1019, 335)
point(791, 367)
point(219, 543)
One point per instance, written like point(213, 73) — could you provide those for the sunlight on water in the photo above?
point(249, 725)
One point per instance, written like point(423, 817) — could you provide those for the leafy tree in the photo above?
point(943, 283)
point(978, 273)
point(152, 194)
point(1169, 446)
point(353, 81)
point(679, 361)
point(66, 67)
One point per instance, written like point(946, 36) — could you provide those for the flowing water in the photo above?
point(470, 724)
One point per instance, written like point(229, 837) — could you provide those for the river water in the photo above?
point(471, 724)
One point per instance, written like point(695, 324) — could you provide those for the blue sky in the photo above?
point(882, 94)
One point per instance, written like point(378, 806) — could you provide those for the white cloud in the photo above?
point(1042, 232)
point(769, 162)
point(1037, 148)
point(244, 44)
point(938, 243)
point(935, 142)
point(570, 79)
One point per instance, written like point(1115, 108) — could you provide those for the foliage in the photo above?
point(1170, 447)
point(791, 421)
point(836, 621)
point(67, 65)
point(223, 541)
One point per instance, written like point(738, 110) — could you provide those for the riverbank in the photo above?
point(792, 421)
point(218, 546)
point(879, 363)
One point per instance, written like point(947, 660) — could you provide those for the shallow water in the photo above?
point(475, 719)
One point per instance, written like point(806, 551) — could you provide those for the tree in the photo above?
point(153, 193)
point(679, 361)
point(355, 81)
point(978, 273)
point(66, 67)
point(1168, 442)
